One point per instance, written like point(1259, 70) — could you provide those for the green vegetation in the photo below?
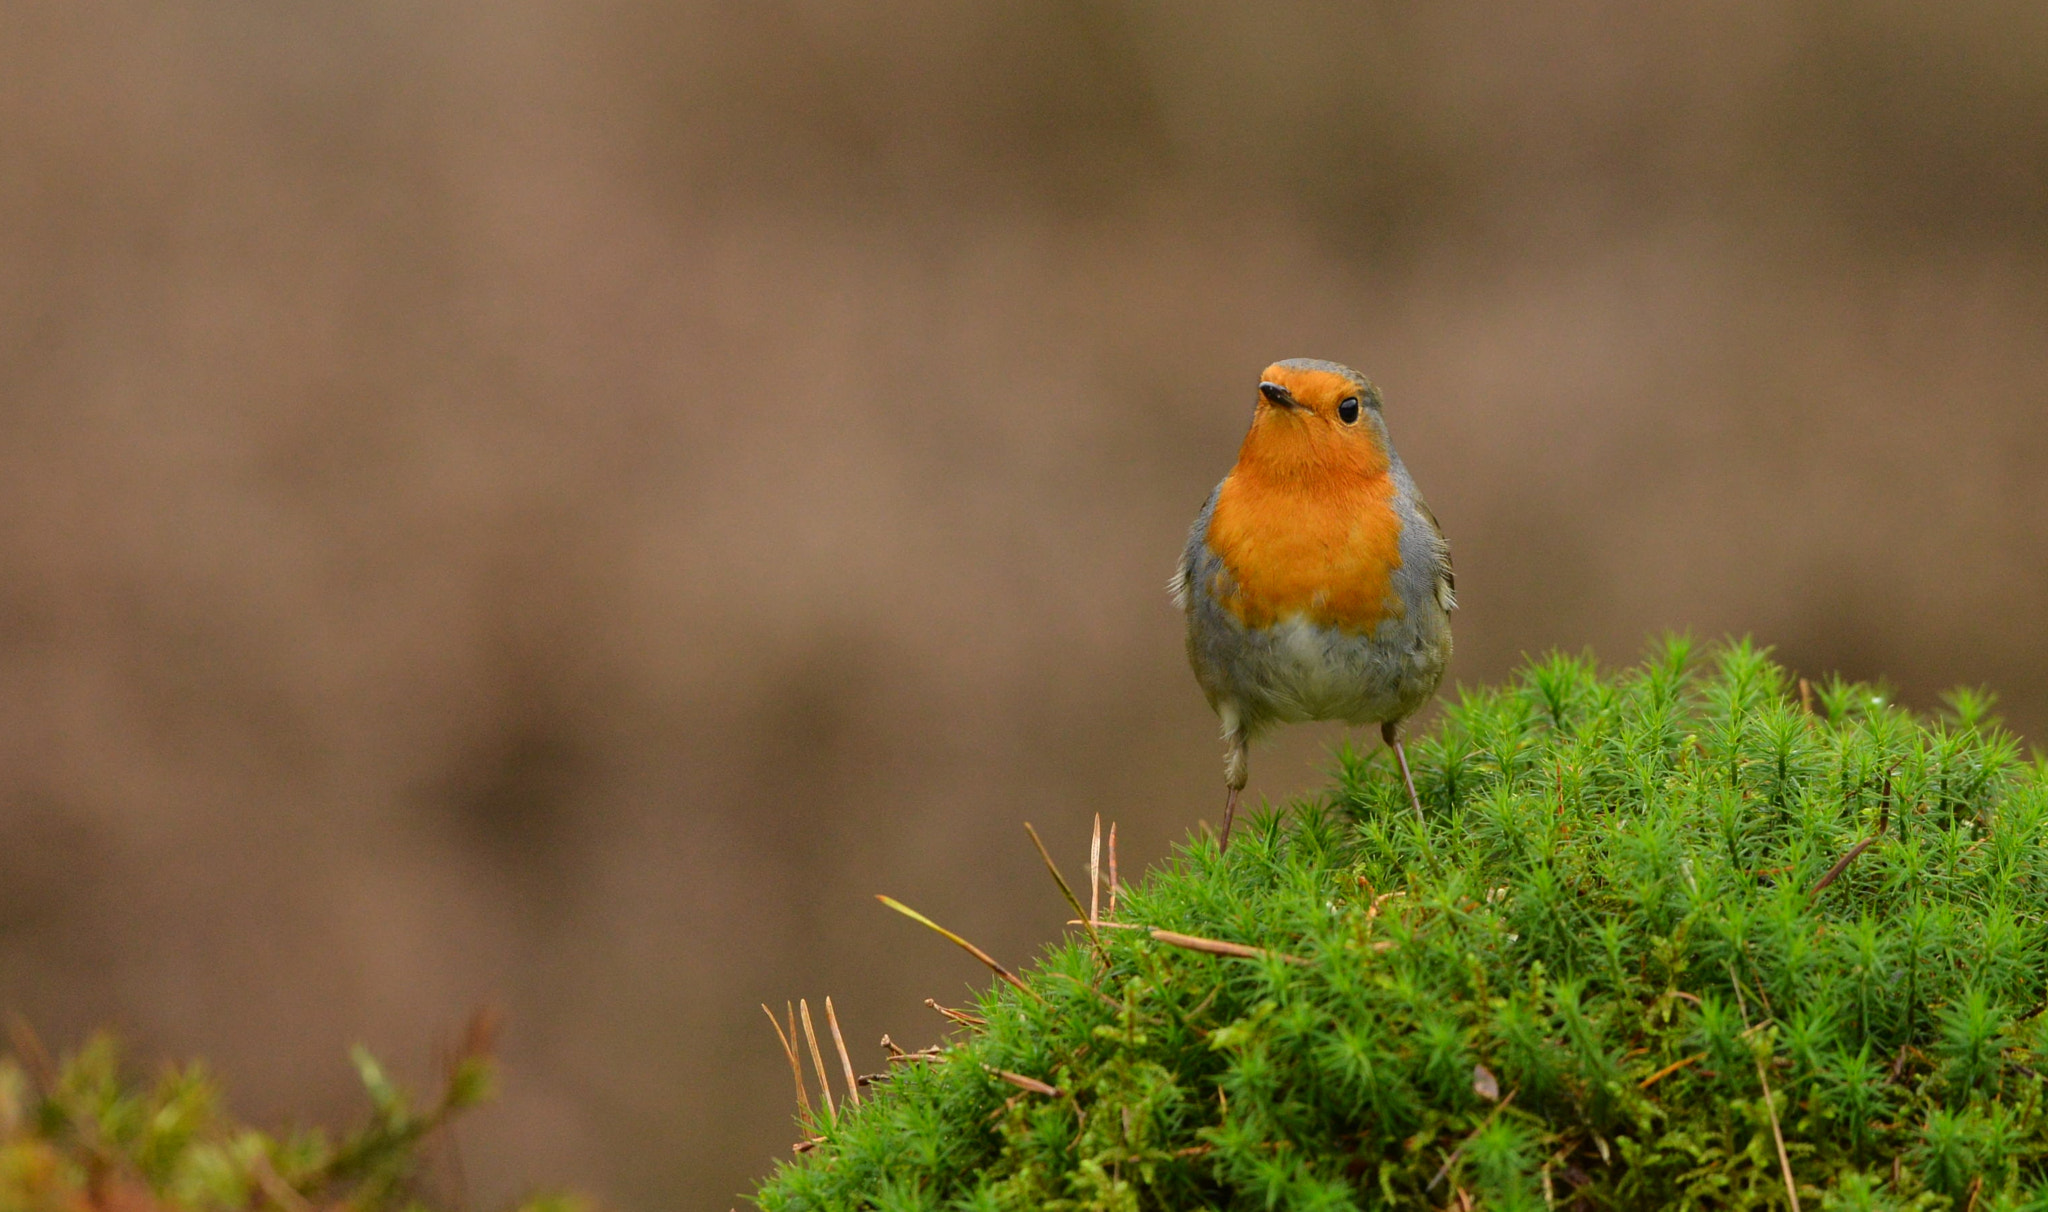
point(76, 1136)
point(1573, 985)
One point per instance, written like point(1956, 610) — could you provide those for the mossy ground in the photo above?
point(1570, 986)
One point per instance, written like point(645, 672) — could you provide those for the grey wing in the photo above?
point(1446, 578)
point(1182, 584)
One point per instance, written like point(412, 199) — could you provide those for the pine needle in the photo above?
point(817, 1059)
point(845, 1061)
point(1112, 869)
point(961, 943)
point(1458, 1152)
point(1216, 946)
point(29, 1050)
point(796, 1066)
point(1884, 815)
point(965, 1018)
point(1095, 871)
point(1073, 902)
point(1668, 1070)
point(1777, 1133)
point(1027, 1083)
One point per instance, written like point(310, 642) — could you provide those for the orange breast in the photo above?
point(1322, 546)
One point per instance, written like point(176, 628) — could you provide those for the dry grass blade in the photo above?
point(1215, 946)
point(845, 1061)
point(1027, 1083)
point(1073, 902)
point(796, 1064)
point(1095, 871)
point(817, 1059)
point(961, 943)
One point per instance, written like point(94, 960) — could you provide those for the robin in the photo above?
point(1317, 584)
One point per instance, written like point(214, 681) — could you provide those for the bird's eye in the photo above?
point(1347, 412)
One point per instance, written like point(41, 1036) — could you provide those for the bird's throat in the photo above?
point(1307, 538)
point(1287, 445)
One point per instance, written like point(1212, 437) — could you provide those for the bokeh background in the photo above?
point(554, 503)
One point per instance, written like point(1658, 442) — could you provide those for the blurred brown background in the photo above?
point(556, 503)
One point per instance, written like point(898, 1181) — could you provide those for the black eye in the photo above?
point(1347, 412)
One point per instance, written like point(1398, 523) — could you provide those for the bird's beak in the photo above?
point(1277, 395)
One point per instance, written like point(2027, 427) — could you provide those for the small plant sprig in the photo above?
point(76, 1133)
point(1695, 933)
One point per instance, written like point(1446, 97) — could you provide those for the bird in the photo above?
point(1316, 582)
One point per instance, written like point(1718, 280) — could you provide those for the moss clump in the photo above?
point(77, 1136)
point(1571, 986)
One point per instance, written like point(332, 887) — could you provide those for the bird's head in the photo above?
point(1316, 418)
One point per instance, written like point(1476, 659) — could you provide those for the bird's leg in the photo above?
point(1235, 768)
point(1390, 732)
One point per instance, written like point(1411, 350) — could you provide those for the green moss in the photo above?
point(1609, 917)
point(78, 1134)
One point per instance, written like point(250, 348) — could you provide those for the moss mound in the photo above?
point(1667, 936)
